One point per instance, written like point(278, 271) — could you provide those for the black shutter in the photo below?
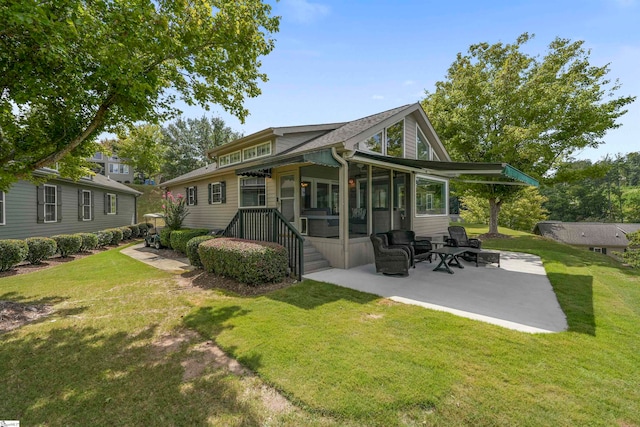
point(59, 202)
point(195, 195)
point(80, 202)
point(106, 203)
point(209, 193)
point(116, 196)
point(40, 207)
point(186, 195)
point(93, 211)
point(223, 192)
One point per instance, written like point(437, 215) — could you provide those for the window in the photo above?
point(98, 156)
point(111, 204)
point(389, 142)
point(86, 205)
point(253, 192)
point(230, 159)
point(423, 149)
point(192, 196)
point(256, 151)
point(50, 203)
point(431, 196)
point(118, 168)
point(216, 193)
point(374, 143)
point(2, 208)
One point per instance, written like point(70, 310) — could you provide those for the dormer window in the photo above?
point(256, 151)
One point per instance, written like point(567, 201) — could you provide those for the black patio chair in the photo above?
point(420, 250)
point(458, 238)
point(390, 261)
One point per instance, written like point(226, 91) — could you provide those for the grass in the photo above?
point(344, 357)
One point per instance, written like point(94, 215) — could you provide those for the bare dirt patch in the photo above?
point(15, 314)
point(203, 280)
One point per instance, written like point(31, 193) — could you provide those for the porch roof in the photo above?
point(455, 169)
point(321, 157)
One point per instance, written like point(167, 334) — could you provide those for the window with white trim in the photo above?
point(98, 156)
point(192, 196)
point(216, 193)
point(2, 202)
point(50, 203)
point(388, 142)
point(431, 196)
point(86, 205)
point(253, 192)
point(112, 204)
point(423, 149)
point(118, 168)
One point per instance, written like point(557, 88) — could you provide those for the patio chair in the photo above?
point(419, 250)
point(390, 261)
point(458, 238)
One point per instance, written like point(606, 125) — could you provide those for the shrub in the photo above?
point(126, 232)
point(116, 236)
point(192, 249)
point(40, 248)
point(143, 227)
point(12, 252)
point(175, 210)
point(247, 261)
point(165, 237)
point(68, 244)
point(89, 241)
point(135, 231)
point(104, 238)
point(179, 238)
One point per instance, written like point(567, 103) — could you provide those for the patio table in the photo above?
point(448, 256)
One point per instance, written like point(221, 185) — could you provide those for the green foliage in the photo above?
point(12, 252)
point(142, 228)
point(68, 244)
point(165, 237)
point(143, 148)
point(180, 238)
point(175, 210)
point(116, 236)
point(192, 249)
point(89, 241)
point(71, 70)
point(40, 248)
point(126, 232)
point(189, 140)
point(135, 231)
point(499, 104)
point(249, 262)
point(104, 238)
point(632, 255)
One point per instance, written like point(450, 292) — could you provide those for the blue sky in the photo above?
point(341, 60)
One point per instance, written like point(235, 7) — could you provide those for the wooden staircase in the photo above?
point(313, 260)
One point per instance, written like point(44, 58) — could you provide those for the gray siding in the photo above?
point(21, 211)
point(410, 137)
point(293, 139)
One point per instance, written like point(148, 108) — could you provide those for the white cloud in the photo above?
point(409, 82)
point(305, 12)
point(377, 97)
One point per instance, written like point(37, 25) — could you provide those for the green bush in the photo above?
point(68, 244)
point(116, 236)
point(104, 238)
point(247, 261)
point(143, 228)
point(165, 237)
point(179, 238)
point(126, 232)
point(135, 231)
point(12, 252)
point(40, 248)
point(192, 249)
point(89, 241)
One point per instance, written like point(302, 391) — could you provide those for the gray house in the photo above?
point(605, 238)
point(62, 206)
point(334, 184)
point(113, 167)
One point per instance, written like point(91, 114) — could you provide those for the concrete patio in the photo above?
point(517, 295)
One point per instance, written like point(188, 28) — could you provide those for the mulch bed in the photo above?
point(203, 280)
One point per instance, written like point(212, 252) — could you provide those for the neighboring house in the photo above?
point(62, 206)
point(113, 167)
point(336, 183)
point(605, 238)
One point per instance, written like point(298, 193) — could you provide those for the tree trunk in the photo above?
point(494, 211)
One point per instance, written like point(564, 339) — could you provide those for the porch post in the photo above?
point(344, 204)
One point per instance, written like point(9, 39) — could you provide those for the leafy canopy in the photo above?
point(143, 148)
point(72, 69)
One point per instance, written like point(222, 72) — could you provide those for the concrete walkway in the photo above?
point(518, 295)
point(150, 256)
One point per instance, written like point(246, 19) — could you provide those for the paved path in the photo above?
point(150, 256)
point(518, 295)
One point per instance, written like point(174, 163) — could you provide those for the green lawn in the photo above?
point(343, 357)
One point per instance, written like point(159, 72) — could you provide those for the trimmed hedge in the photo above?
point(40, 248)
point(116, 236)
point(179, 238)
point(12, 253)
point(247, 261)
point(165, 237)
point(89, 241)
point(135, 231)
point(192, 249)
point(143, 228)
point(68, 244)
point(104, 238)
point(126, 232)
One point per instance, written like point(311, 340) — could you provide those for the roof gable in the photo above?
point(595, 234)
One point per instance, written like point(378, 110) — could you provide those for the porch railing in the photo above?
point(268, 225)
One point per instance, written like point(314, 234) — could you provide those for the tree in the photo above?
point(632, 255)
point(499, 104)
point(189, 140)
point(143, 149)
point(70, 70)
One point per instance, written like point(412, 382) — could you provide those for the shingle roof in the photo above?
point(205, 170)
point(595, 234)
point(96, 180)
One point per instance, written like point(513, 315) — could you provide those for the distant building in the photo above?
point(113, 167)
point(605, 238)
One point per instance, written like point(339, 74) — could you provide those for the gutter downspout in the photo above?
point(344, 203)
